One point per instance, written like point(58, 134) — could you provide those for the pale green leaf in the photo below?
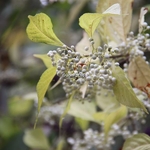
point(67, 108)
point(83, 110)
point(110, 118)
point(46, 59)
point(114, 117)
point(100, 116)
point(40, 29)
point(82, 123)
point(137, 142)
point(115, 27)
point(90, 21)
point(106, 100)
point(35, 139)
point(123, 90)
point(43, 84)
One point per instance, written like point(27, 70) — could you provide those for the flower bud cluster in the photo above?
point(76, 70)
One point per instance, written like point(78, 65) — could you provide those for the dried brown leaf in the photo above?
point(139, 74)
point(115, 27)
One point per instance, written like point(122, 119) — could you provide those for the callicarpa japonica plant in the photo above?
point(105, 76)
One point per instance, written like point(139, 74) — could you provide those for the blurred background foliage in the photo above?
point(20, 71)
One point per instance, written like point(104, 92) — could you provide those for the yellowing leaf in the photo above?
point(40, 29)
point(114, 117)
point(82, 110)
point(90, 21)
point(100, 116)
point(43, 84)
point(137, 142)
point(123, 90)
point(107, 100)
point(36, 139)
point(115, 27)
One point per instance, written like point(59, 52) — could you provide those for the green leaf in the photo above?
point(107, 100)
point(40, 29)
point(66, 110)
point(82, 123)
point(46, 59)
point(36, 139)
point(90, 21)
point(15, 109)
point(114, 117)
point(8, 127)
point(43, 84)
point(123, 90)
point(83, 110)
point(137, 142)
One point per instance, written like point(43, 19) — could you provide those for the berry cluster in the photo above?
point(92, 71)
point(93, 140)
point(135, 45)
point(126, 128)
point(130, 125)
